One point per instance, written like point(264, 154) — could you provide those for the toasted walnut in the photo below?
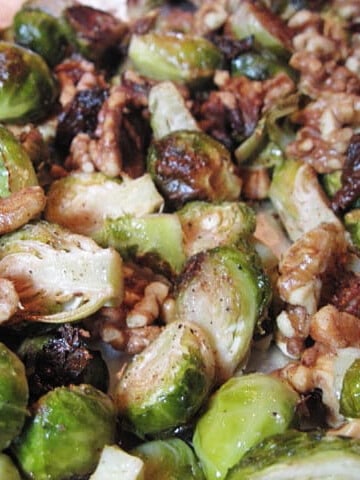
point(129, 340)
point(317, 256)
point(148, 308)
point(335, 329)
point(9, 300)
point(20, 208)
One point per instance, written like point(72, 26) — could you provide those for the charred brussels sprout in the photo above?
point(175, 57)
point(253, 18)
point(188, 165)
point(59, 276)
point(226, 292)
point(244, 411)
point(42, 33)
point(27, 88)
point(298, 455)
point(59, 358)
point(13, 396)
point(68, 429)
point(209, 225)
point(16, 169)
point(171, 458)
point(165, 385)
point(8, 470)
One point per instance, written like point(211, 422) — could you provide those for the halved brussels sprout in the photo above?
point(226, 292)
point(16, 169)
point(168, 110)
point(208, 225)
point(8, 471)
point(189, 165)
point(27, 87)
point(41, 32)
point(164, 386)
point(298, 455)
point(298, 198)
point(13, 396)
point(170, 458)
point(253, 18)
point(350, 392)
point(67, 431)
point(155, 240)
point(260, 65)
point(174, 57)
point(244, 411)
point(83, 201)
point(59, 276)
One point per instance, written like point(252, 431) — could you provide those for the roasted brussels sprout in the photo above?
point(298, 198)
point(350, 391)
point(116, 464)
point(13, 396)
point(83, 201)
point(208, 225)
point(41, 32)
point(175, 57)
point(27, 88)
point(253, 18)
point(244, 411)
point(297, 455)
point(91, 31)
point(59, 276)
point(16, 169)
point(8, 470)
point(164, 386)
point(168, 110)
point(68, 429)
point(259, 65)
point(171, 458)
point(155, 240)
point(62, 357)
point(352, 225)
point(189, 165)
point(226, 292)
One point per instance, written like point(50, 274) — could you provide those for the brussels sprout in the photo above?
point(27, 88)
point(253, 18)
point(8, 470)
point(175, 57)
point(226, 292)
point(350, 392)
point(92, 31)
point(16, 169)
point(116, 464)
point(13, 396)
point(298, 455)
point(298, 198)
point(188, 165)
point(155, 240)
point(168, 110)
point(61, 357)
point(165, 385)
point(42, 33)
point(209, 225)
point(59, 276)
point(66, 433)
point(352, 225)
point(244, 411)
point(83, 201)
point(260, 65)
point(169, 459)
point(331, 182)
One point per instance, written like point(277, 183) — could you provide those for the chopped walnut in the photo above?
point(317, 256)
point(21, 207)
point(129, 340)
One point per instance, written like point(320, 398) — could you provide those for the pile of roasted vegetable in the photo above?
point(180, 240)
